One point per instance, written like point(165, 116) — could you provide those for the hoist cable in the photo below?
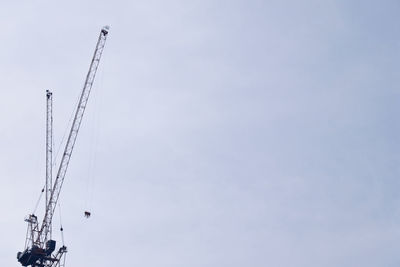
point(61, 226)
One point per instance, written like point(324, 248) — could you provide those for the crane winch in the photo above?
point(39, 245)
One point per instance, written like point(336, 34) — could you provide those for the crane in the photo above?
point(39, 245)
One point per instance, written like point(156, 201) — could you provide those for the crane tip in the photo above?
point(105, 29)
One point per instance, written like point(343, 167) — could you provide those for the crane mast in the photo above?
point(49, 152)
point(39, 245)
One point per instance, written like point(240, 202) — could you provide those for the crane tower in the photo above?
point(40, 248)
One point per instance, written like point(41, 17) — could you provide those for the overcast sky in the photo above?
point(218, 133)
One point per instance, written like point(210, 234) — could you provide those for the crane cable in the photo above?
point(94, 133)
point(62, 264)
point(38, 201)
point(65, 132)
point(61, 226)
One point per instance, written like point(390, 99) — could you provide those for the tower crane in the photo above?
point(40, 248)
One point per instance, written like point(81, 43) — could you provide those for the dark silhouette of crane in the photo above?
point(40, 248)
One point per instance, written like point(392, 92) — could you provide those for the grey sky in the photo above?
point(219, 133)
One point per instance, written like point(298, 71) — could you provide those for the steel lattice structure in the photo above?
point(39, 246)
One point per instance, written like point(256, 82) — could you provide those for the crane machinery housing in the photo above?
point(40, 248)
